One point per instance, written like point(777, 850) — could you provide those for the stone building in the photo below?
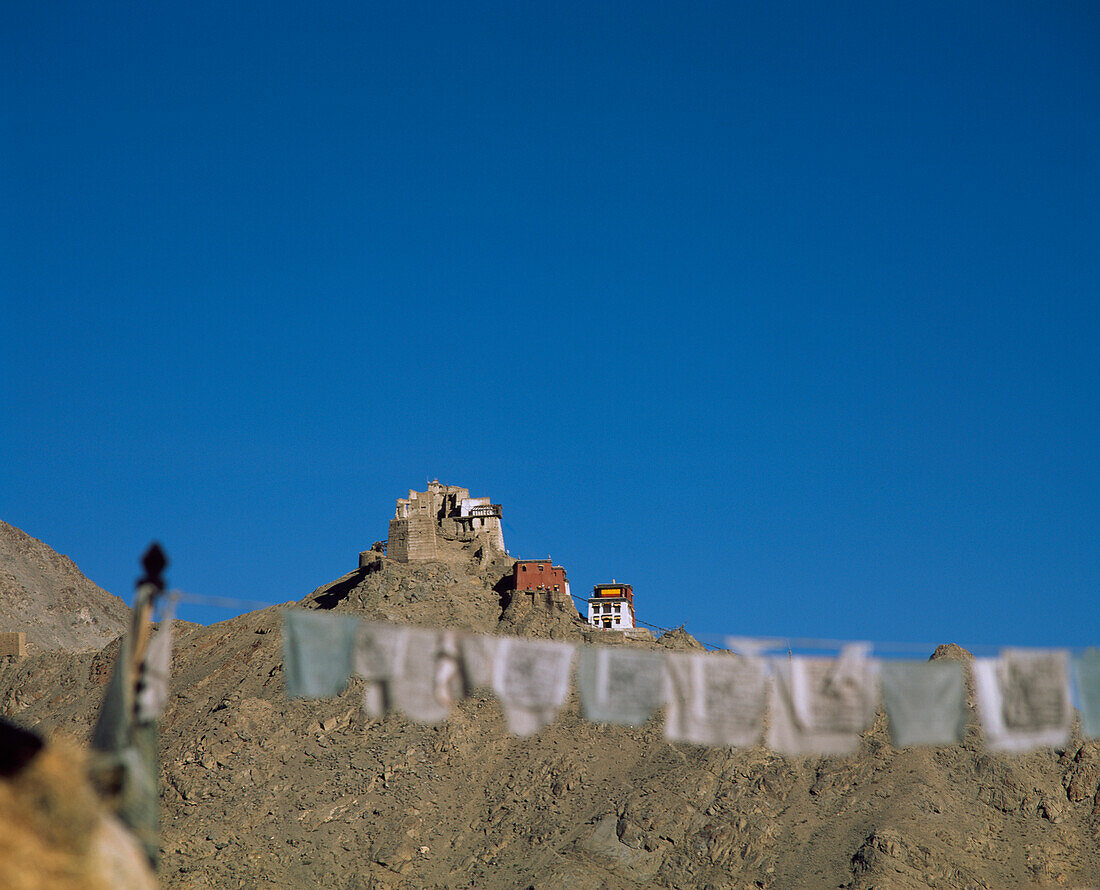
point(13, 645)
point(611, 606)
point(432, 524)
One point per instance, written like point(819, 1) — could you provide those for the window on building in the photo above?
point(523, 568)
point(556, 587)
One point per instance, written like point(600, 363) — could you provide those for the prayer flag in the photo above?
point(925, 701)
point(379, 649)
point(821, 705)
point(428, 680)
point(714, 699)
point(531, 680)
point(1023, 699)
point(317, 652)
point(478, 656)
point(1087, 669)
point(152, 694)
point(622, 686)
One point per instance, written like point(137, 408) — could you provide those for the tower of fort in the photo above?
point(430, 524)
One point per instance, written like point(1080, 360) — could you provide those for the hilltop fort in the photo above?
point(436, 523)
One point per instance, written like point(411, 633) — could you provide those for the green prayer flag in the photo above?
point(1087, 669)
point(317, 652)
point(925, 701)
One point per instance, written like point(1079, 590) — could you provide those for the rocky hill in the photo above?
point(261, 791)
point(45, 595)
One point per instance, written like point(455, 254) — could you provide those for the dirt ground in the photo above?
point(261, 791)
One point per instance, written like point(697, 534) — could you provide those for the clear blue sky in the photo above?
point(785, 313)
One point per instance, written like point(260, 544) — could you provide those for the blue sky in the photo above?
point(785, 313)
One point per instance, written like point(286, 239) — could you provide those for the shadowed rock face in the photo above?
point(44, 594)
point(260, 791)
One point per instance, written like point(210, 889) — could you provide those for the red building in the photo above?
point(538, 574)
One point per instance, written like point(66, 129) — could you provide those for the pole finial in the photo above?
point(154, 562)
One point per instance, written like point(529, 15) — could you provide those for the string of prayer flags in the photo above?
point(714, 699)
point(925, 701)
point(379, 650)
point(1023, 700)
point(317, 652)
point(800, 705)
point(821, 705)
point(621, 686)
point(531, 680)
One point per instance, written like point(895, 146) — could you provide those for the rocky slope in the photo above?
point(44, 594)
point(261, 791)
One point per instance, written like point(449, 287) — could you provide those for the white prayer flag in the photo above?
point(531, 680)
point(153, 695)
point(379, 649)
point(821, 705)
point(714, 699)
point(622, 686)
point(478, 656)
point(428, 680)
point(1023, 699)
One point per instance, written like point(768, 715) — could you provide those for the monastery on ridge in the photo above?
point(444, 522)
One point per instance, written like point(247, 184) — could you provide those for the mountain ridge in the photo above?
point(44, 594)
point(262, 791)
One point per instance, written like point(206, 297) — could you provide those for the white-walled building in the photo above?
point(611, 606)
